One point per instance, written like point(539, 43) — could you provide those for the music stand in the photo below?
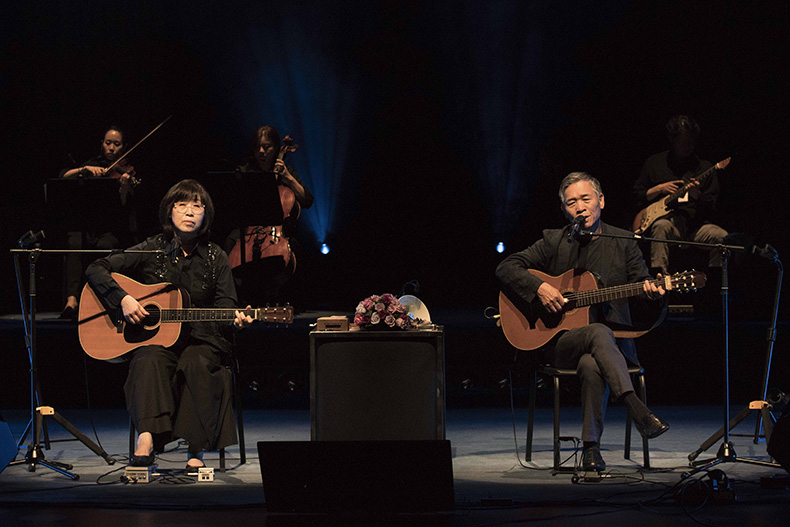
point(246, 198)
point(84, 205)
point(242, 195)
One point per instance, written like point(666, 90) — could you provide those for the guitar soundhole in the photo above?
point(153, 317)
point(551, 320)
point(137, 333)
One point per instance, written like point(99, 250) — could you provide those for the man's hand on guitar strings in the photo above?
point(242, 319)
point(653, 291)
point(550, 298)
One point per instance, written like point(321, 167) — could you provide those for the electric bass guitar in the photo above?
point(105, 335)
point(660, 208)
point(532, 326)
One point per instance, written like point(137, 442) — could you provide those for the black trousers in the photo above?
point(182, 393)
point(600, 365)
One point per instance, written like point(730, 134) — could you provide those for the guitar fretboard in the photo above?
point(201, 314)
point(596, 296)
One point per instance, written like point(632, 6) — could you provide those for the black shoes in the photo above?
point(68, 313)
point(142, 461)
point(592, 461)
point(651, 426)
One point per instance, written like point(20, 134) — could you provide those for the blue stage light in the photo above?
point(500, 247)
point(324, 248)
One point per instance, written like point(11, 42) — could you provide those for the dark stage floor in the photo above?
point(492, 485)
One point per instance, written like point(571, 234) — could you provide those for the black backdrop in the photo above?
point(414, 200)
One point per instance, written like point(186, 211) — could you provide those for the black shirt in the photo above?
point(663, 167)
point(204, 274)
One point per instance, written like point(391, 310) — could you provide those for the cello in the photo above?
point(270, 241)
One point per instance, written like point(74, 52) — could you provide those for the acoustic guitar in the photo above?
point(660, 208)
point(532, 327)
point(105, 335)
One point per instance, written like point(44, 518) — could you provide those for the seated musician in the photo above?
point(601, 359)
point(112, 147)
point(663, 174)
point(269, 261)
point(180, 391)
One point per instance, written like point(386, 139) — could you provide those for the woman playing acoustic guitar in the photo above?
point(179, 391)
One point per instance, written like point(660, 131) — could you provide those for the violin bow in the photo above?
point(138, 143)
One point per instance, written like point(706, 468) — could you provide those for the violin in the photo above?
point(122, 165)
point(121, 168)
point(266, 242)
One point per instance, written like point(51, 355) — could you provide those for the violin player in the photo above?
point(112, 148)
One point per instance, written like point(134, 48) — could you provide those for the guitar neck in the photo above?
point(597, 296)
point(697, 179)
point(199, 314)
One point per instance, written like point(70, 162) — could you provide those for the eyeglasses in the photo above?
point(197, 208)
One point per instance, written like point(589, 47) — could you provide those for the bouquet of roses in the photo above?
point(382, 312)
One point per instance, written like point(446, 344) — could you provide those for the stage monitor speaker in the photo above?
point(779, 444)
point(357, 476)
point(8, 449)
point(368, 385)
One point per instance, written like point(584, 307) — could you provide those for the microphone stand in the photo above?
point(38, 412)
point(726, 453)
point(763, 408)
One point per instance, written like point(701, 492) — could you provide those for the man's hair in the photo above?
point(575, 177)
point(186, 190)
point(682, 124)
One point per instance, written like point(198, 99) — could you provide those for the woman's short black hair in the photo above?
point(186, 190)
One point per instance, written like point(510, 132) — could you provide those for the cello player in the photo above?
point(271, 268)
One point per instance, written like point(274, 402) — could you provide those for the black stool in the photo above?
point(555, 373)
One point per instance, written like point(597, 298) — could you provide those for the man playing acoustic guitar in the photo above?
point(600, 358)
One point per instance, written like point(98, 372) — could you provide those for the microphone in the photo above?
point(766, 251)
point(30, 238)
point(576, 226)
point(175, 246)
